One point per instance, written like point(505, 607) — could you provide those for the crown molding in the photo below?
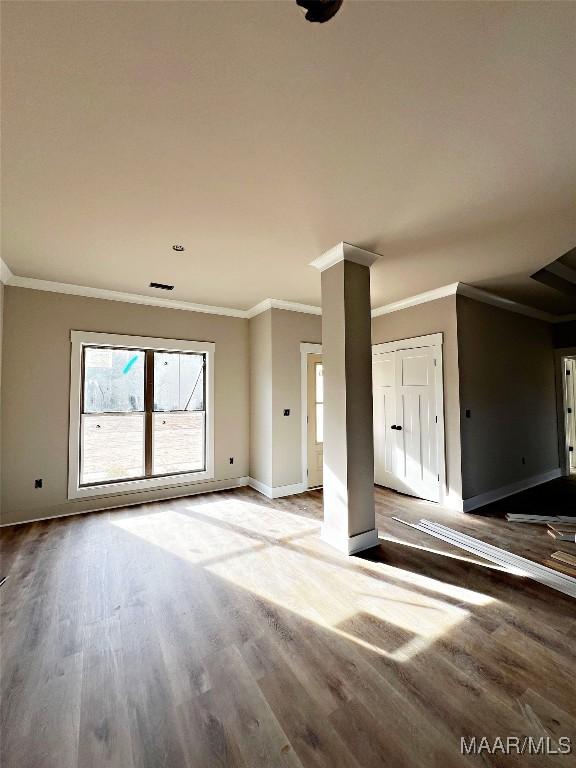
point(129, 298)
point(6, 275)
point(289, 306)
point(462, 289)
point(512, 306)
point(477, 294)
point(8, 278)
point(419, 298)
point(344, 252)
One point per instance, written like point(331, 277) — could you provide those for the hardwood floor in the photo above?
point(219, 630)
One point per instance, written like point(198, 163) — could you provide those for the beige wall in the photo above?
point(260, 335)
point(434, 317)
point(289, 330)
point(35, 392)
point(507, 381)
point(258, 375)
point(275, 368)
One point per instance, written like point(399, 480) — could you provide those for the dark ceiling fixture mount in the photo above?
point(178, 248)
point(162, 286)
point(320, 10)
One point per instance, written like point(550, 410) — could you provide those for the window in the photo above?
point(140, 413)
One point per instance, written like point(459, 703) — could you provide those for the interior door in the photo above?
point(570, 377)
point(416, 463)
point(315, 420)
point(384, 399)
point(405, 422)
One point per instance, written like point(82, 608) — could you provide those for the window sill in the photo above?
point(133, 486)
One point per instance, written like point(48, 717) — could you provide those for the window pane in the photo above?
point(319, 383)
point(112, 447)
point(113, 380)
point(319, 423)
point(178, 442)
point(178, 381)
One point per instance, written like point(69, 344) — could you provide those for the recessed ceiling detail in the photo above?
point(560, 274)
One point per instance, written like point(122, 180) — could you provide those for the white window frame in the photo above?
point(81, 339)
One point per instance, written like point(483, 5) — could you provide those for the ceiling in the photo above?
point(440, 135)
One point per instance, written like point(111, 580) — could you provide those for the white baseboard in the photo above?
point(129, 501)
point(452, 501)
point(349, 545)
point(265, 490)
point(509, 490)
point(278, 491)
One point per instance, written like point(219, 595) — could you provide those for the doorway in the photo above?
point(409, 416)
point(312, 415)
point(567, 409)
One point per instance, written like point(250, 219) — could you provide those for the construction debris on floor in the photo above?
point(512, 563)
point(514, 517)
point(562, 532)
point(564, 557)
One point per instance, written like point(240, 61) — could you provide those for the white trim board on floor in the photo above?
point(509, 490)
point(513, 563)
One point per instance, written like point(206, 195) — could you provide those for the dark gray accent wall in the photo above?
point(565, 334)
point(507, 383)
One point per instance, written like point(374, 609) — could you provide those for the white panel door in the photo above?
point(384, 398)
point(416, 464)
point(570, 376)
point(405, 423)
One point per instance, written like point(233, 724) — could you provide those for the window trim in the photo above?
point(80, 339)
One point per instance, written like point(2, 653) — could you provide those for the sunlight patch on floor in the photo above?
point(279, 557)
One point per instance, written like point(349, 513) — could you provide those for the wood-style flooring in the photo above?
point(219, 630)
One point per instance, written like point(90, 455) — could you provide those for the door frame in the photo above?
point(561, 405)
point(431, 340)
point(305, 350)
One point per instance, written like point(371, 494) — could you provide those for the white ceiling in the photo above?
point(441, 135)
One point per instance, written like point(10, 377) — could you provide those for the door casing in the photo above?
point(434, 340)
point(305, 350)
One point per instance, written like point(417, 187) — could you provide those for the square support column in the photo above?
point(349, 517)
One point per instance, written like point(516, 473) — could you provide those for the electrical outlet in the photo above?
point(38, 483)
point(286, 411)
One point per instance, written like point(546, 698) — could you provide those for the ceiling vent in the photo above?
point(162, 286)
